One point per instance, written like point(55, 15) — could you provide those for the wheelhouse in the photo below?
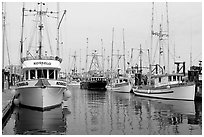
point(162, 80)
point(49, 73)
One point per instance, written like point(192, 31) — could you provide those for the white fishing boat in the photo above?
point(120, 84)
point(41, 86)
point(167, 87)
point(163, 84)
point(74, 83)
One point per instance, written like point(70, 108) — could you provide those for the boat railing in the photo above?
point(42, 58)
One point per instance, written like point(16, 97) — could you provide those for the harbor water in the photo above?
point(109, 113)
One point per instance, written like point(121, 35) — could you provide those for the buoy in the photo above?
point(16, 94)
point(67, 94)
point(168, 87)
point(16, 102)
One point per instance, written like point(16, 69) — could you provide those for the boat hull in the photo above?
point(41, 97)
point(74, 84)
point(126, 88)
point(93, 85)
point(183, 92)
point(41, 94)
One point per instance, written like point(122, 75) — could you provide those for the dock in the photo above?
point(7, 102)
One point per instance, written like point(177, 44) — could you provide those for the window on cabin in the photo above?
point(32, 74)
point(178, 78)
point(169, 78)
point(125, 80)
point(39, 74)
point(45, 73)
point(51, 74)
point(26, 76)
point(174, 78)
point(121, 80)
point(56, 74)
point(159, 80)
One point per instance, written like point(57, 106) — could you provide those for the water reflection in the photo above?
point(30, 121)
point(105, 113)
point(112, 113)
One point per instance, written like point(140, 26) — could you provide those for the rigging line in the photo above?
point(154, 58)
point(48, 37)
point(197, 57)
point(32, 36)
point(164, 56)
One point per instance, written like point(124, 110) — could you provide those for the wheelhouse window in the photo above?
point(39, 74)
point(51, 74)
point(169, 78)
point(32, 74)
point(178, 78)
point(159, 80)
point(174, 78)
point(44, 73)
point(26, 76)
point(56, 74)
point(125, 80)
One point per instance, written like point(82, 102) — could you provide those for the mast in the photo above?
point(3, 33)
point(22, 28)
point(140, 59)
point(118, 55)
point(102, 56)
point(80, 61)
point(124, 50)
point(86, 53)
point(74, 61)
point(150, 54)
point(57, 30)
point(191, 47)
point(4, 41)
point(167, 36)
point(112, 53)
point(40, 30)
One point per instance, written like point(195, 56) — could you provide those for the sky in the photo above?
point(95, 21)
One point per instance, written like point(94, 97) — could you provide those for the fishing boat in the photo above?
point(94, 83)
point(119, 82)
point(167, 86)
point(41, 87)
point(95, 79)
point(75, 77)
point(75, 81)
point(163, 84)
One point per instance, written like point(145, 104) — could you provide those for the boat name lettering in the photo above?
point(61, 83)
point(42, 63)
point(22, 84)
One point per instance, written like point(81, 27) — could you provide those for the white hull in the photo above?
point(184, 92)
point(74, 84)
point(122, 88)
point(41, 97)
